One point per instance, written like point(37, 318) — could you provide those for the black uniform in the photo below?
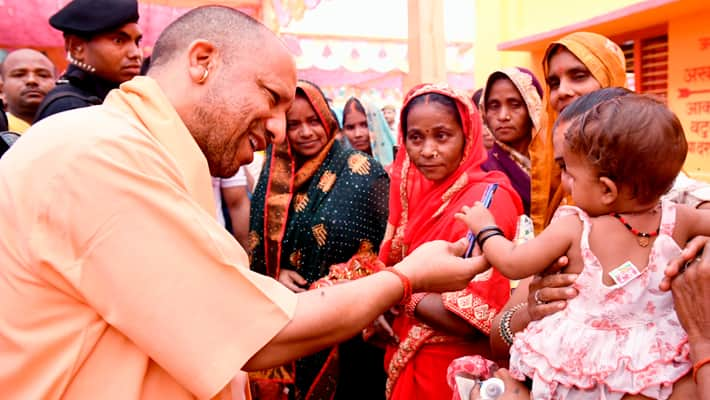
point(85, 18)
point(75, 89)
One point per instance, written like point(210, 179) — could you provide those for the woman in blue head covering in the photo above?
point(367, 131)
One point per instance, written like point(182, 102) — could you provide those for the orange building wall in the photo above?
point(499, 21)
point(689, 86)
point(688, 28)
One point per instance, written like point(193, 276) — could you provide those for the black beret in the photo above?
point(89, 17)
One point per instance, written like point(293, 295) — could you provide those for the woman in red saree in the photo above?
point(436, 172)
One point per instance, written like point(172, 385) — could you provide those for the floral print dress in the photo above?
point(609, 340)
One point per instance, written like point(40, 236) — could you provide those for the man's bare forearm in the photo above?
point(328, 316)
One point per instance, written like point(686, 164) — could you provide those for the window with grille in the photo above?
point(654, 66)
point(628, 49)
point(647, 63)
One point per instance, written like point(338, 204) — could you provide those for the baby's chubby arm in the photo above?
point(532, 257)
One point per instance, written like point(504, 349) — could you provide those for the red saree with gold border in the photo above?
point(421, 211)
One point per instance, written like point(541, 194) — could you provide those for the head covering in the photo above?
point(89, 17)
point(502, 157)
point(604, 58)
point(284, 179)
point(528, 86)
point(422, 210)
point(308, 218)
point(381, 138)
point(607, 64)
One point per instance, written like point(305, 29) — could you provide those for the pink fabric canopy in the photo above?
point(24, 23)
point(370, 79)
point(330, 63)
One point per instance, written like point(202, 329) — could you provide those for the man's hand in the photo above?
point(691, 296)
point(549, 293)
point(438, 267)
point(690, 252)
point(292, 280)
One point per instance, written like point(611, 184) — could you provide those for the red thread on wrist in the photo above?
point(697, 366)
point(406, 286)
point(411, 307)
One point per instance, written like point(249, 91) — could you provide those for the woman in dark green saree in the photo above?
point(316, 204)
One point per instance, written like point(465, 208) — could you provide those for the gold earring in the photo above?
point(204, 76)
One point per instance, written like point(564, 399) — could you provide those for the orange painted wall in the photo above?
point(499, 21)
point(689, 86)
point(688, 50)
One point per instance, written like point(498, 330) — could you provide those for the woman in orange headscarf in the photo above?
point(575, 65)
point(435, 173)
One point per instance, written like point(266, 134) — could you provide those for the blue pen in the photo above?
point(487, 199)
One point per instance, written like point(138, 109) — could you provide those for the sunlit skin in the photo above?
point(263, 106)
point(568, 79)
point(28, 75)
point(507, 115)
point(304, 130)
point(356, 130)
point(582, 182)
point(578, 178)
point(229, 128)
point(116, 55)
point(435, 140)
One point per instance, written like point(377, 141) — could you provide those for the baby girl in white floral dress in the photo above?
point(621, 334)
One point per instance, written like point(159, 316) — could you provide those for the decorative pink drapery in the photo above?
point(24, 23)
point(332, 62)
point(369, 64)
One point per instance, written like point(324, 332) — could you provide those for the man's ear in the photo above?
point(76, 47)
point(610, 191)
point(202, 59)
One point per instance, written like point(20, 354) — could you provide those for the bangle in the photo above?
point(411, 307)
point(697, 366)
point(483, 240)
point(488, 228)
point(406, 286)
point(505, 333)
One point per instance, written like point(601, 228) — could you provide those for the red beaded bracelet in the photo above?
point(697, 366)
point(406, 286)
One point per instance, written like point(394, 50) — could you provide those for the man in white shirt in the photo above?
point(236, 204)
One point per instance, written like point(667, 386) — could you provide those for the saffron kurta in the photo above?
point(116, 281)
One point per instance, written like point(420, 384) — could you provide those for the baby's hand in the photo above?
point(476, 217)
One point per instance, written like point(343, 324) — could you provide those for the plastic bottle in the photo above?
point(492, 389)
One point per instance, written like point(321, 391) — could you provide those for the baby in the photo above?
point(621, 334)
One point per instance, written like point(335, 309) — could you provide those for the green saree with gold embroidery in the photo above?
point(308, 218)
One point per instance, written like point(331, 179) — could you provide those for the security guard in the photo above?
point(102, 39)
